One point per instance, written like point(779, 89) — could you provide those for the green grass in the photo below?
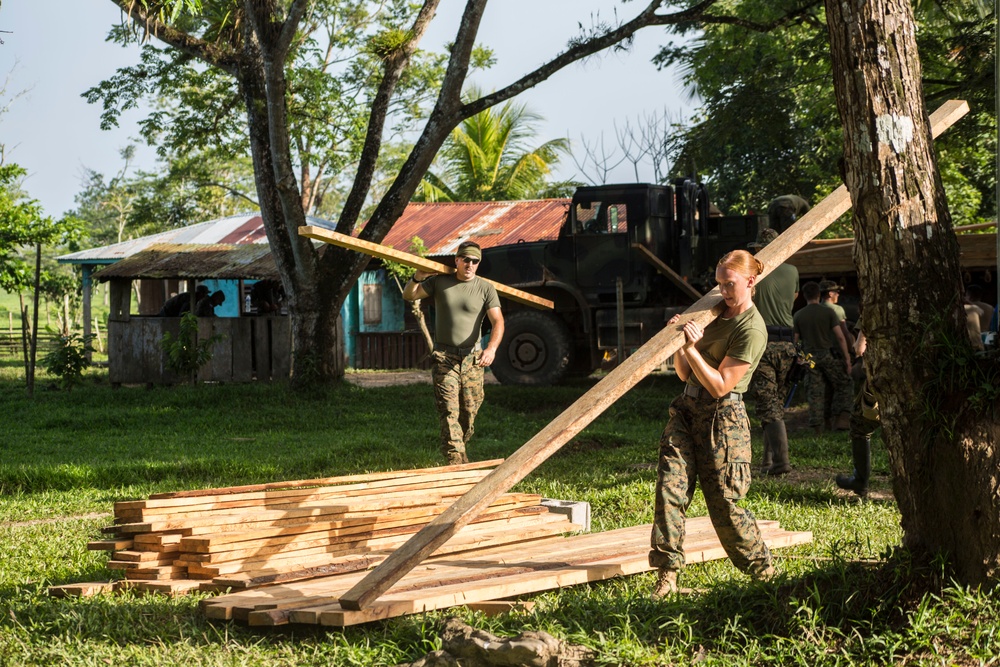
point(848, 598)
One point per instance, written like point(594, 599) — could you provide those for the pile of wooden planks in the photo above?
point(286, 552)
point(241, 537)
point(474, 577)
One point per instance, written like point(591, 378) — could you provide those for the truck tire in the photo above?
point(535, 349)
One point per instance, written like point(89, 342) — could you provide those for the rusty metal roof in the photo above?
point(221, 261)
point(442, 226)
point(246, 228)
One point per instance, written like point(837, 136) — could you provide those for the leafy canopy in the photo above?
point(488, 158)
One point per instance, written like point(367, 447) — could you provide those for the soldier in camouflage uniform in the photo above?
point(774, 297)
point(818, 327)
point(865, 420)
point(461, 303)
point(707, 438)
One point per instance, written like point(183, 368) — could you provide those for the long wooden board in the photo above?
point(601, 396)
point(414, 261)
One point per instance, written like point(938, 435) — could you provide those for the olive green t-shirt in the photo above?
point(743, 338)
point(460, 308)
point(837, 308)
point(815, 324)
point(775, 295)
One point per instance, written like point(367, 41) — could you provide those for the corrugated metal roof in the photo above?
point(442, 226)
point(246, 228)
point(221, 261)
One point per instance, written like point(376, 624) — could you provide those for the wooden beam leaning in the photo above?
point(419, 263)
point(676, 278)
point(602, 395)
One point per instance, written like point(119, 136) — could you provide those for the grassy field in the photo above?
point(847, 598)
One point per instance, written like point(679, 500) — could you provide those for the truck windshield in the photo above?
point(600, 218)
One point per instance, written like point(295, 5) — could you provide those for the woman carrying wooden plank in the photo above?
point(708, 435)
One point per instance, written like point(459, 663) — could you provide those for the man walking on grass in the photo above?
point(462, 302)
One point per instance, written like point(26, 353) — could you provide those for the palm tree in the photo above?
point(486, 158)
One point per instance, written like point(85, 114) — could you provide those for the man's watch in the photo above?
point(414, 279)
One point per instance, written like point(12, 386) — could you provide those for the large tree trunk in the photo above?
point(938, 408)
point(313, 302)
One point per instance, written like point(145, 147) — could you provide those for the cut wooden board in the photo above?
point(604, 394)
point(325, 481)
point(416, 262)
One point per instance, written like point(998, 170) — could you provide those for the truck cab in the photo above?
point(612, 273)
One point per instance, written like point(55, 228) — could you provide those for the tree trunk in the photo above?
point(317, 343)
point(938, 401)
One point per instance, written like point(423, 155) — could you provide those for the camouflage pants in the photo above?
point(865, 418)
point(458, 393)
point(768, 382)
point(829, 370)
point(708, 441)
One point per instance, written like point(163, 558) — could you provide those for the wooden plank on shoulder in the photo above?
point(416, 262)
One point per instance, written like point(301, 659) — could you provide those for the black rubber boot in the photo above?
point(779, 448)
point(861, 451)
point(768, 451)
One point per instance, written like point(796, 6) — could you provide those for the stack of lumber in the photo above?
point(488, 574)
point(286, 552)
point(241, 537)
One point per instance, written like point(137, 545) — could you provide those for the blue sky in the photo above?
point(52, 131)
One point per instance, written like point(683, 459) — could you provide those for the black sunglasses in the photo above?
point(470, 260)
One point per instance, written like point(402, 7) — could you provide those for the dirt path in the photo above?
point(392, 378)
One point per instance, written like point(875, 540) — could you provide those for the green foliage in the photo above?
point(332, 71)
point(487, 158)
point(769, 124)
point(23, 224)
point(68, 359)
point(403, 272)
point(186, 354)
point(964, 383)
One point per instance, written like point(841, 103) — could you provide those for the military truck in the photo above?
point(627, 258)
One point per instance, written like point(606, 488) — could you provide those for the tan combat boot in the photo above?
point(666, 584)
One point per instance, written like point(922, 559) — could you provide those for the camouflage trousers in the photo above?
point(708, 441)
point(768, 386)
point(458, 393)
point(865, 418)
point(830, 375)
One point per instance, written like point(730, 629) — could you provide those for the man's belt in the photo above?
point(697, 392)
point(779, 334)
point(451, 349)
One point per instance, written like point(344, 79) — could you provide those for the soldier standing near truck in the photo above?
point(461, 303)
point(774, 297)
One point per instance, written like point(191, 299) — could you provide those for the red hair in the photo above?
point(742, 262)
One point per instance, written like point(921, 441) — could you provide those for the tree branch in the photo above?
point(197, 48)
point(395, 65)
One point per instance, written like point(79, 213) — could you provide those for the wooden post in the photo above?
point(415, 261)
point(601, 396)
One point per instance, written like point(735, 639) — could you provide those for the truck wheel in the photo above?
point(535, 349)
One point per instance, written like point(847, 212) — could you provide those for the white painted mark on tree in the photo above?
point(895, 131)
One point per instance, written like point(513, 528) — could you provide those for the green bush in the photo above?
point(68, 359)
point(186, 354)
